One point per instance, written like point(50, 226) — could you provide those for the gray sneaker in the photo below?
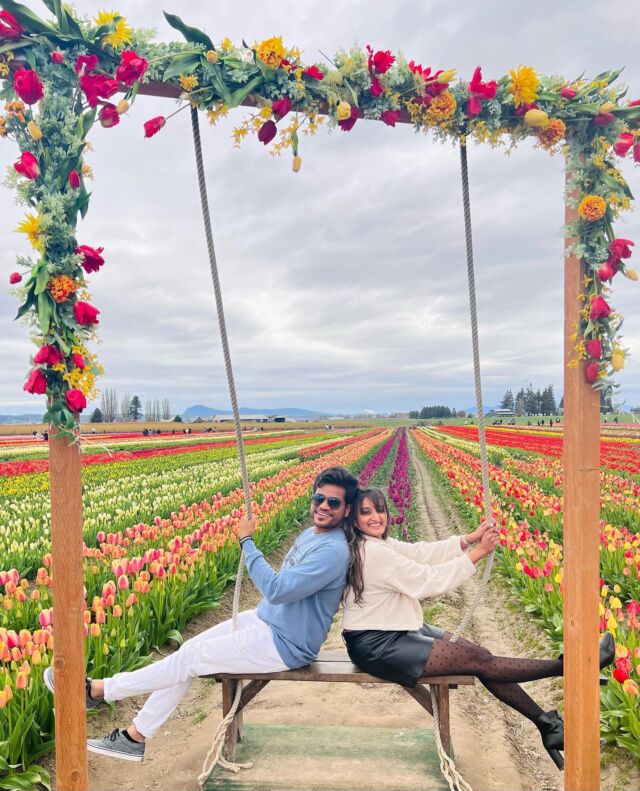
point(116, 745)
point(47, 677)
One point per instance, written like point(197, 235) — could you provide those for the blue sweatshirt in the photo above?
point(301, 599)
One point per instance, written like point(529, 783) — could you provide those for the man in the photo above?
point(285, 631)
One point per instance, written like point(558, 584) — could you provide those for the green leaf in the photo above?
point(190, 33)
point(174, 634)
point(30, 21)
point(240, 94)
point(181, 64)
point(85, 122)
point(45, 310)
point(41, 280)
point(219, 84)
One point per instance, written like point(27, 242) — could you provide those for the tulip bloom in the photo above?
point(154, 125)
point(9, 26)
point(567, 93)
point(621, 248)
point(36, 383)
point(15, 277)
point(22, 680)
point(314, 72)
point(74, 179)
point(267, 132)
point(391, 117)
point(92, 258)
point(27, 85)
point(57, 57)
point(594, 348)
point(536, 118)
point(48, 355)
point(109, 115)
point(281, 106)
point(131, 68)
point(76, 400)
point(599, 308)
point(85, 314)
point(591, 371)
point(97, 86)
point(623, 144)
point(27, 166)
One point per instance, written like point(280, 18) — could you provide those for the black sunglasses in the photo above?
point(332, 502)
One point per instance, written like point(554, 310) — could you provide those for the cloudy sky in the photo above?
point(344, 284)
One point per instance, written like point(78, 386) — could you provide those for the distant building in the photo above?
point(501, 413)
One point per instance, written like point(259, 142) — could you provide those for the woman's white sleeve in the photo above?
point(432, 552)
point(420, 580)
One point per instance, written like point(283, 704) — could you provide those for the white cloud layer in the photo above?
point(344, 285)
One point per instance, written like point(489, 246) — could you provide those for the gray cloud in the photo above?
point(344, 285)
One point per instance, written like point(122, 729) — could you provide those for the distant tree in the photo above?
point(177, 419)
point(605, 400)
point(96, 416)
point(166, 409)
point(548, 402)
point(148, 410)
point(461, 413)
point(521, 404)
point(434, 411)
point(508, 401)
point(125, 407)
point(157, 409)
point(135, 410)
point(109, 404)
point(561, 404)
point(414, 414)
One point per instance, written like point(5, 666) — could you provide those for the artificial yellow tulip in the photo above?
point(122, 106)
point(297, 163)
point(212, 56)
point(617, 359)
point(343, 111)
point(34, 130)
point(536, 118)
point(446, 76)
point(631, 274)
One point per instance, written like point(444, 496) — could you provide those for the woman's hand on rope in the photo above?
point(247, 527)
point(474, 537)
point(487, 544)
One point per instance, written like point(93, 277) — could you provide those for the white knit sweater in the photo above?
point(397, 574)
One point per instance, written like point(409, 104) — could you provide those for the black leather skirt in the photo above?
point(394, 656)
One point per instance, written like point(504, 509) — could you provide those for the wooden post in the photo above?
point(65, 482)
point(581, 549)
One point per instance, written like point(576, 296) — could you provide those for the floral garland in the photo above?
point(59, 76)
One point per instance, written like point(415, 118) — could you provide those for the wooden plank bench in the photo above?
point(337, 667)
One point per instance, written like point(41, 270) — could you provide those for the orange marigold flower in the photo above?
point(60, 287)
point(552, 133)
point(442, 107)
point(592, 208)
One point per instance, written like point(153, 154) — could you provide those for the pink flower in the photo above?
point(36, 383)
point(391, 117)
point(27, 166)
point(74, 179)
point(380, 61)
point(267, 132)
point(76, 400)
point(602, 119)
point(47, 355)
point(27, 85)
point(154, 125)
point(78, 360)
point(377, 88)
point(599, 308)
point(486, 90)
point(282, 106)
point(57, 57)
point(85, 314)
point(621, 248)
point(606, 271)
point(591, 371)
point(97, 87)
point(314, 72)
point(85, 64)
point(131, 68)
point(108, 115)
point(623, 144)
point(15, 277)
point(9, 26)
point(123, 582)
point(474, 106)
point(594, 348)
point(92, 258)
point(568, 93)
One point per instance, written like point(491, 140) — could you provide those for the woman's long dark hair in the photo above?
point(355, 581)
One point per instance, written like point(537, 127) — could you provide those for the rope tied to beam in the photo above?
point(214, 756)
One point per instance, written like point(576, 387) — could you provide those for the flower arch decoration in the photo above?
point(58, 77)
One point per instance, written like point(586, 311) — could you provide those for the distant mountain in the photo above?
point(200, 410)
point(25, 418)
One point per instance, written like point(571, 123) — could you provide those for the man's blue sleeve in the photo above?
point(313, 573)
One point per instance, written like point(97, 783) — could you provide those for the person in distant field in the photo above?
point(383, 621)
point(285, 631)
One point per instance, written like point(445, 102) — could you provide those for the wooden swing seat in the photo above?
point(333, 666)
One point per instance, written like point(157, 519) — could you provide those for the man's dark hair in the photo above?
point(338, 476)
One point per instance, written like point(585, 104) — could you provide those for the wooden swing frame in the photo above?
point(581, 462)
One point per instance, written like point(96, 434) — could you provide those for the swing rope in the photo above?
point(447, 766)
point(214, 756)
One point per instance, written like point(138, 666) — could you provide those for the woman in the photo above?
point(383, 625)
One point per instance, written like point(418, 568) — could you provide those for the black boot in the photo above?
point(607, 650)
point(551, 729)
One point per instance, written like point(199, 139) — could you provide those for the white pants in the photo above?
point(218, 650)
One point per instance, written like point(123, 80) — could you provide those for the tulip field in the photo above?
point(526, 493)
point(160, 547)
